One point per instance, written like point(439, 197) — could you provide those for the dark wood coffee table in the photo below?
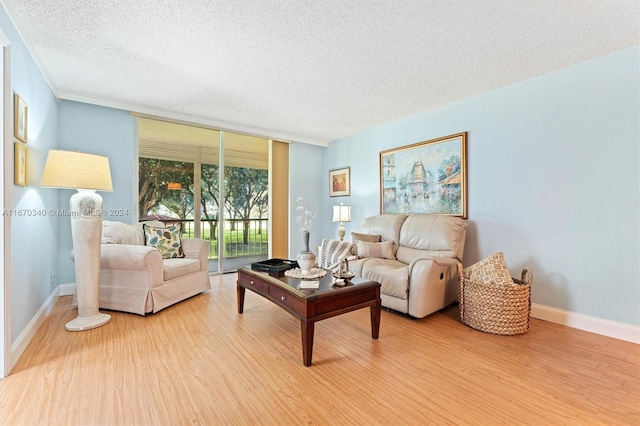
point(311, 306)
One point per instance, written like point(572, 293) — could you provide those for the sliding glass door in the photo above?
point(214, 183)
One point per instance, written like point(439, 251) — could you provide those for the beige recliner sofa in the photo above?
point(419, 275)
point(135, 278)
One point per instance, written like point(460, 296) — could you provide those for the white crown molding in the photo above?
point(30, 47)
point(157, 113)
point(617, 330)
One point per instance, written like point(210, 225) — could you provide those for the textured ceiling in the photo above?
point(308, 70)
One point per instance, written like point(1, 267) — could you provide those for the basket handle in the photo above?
point(527, 276)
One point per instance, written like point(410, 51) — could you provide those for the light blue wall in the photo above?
point(102, 131)
point(34, 232)
point(306, 180)
point(554, 183)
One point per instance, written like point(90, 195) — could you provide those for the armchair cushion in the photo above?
point(166, 240)
point(121, 233)
point(175, 267)
point(124, 233)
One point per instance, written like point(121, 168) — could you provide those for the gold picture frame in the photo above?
point(20, 118)
point(425, 177)
point(340, 182)
point(21, 164)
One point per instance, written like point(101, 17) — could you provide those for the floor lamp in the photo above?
point(87, 173)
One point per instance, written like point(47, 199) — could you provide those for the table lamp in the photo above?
point(341, 214)
point(87, 173)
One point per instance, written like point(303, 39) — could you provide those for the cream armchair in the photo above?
point(135, 278)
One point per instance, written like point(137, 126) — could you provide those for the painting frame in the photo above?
point(340, 182)
point(20, 118)
point(21, 164)
point(425, 177)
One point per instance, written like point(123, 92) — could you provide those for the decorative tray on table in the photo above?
point(274, 267)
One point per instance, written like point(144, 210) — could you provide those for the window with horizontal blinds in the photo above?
point(179, 142)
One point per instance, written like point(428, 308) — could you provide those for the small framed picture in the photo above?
point(21, 164)
point(340, 182)
point(20, 117)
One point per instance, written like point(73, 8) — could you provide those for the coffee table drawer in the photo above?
point(256, 285)
point(285, 298)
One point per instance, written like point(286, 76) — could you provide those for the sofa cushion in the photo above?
point(392, 275)
point(387, 225)
point(369, 238)
point(166, 240)
point(383, 250)
point(493, 269)
point(176, 267)
point(431, 235)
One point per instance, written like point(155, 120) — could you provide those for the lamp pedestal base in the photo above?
point(341, 232)
point(87, 323)
point(86, 232)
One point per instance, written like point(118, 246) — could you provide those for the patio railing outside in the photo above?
point(257, 236)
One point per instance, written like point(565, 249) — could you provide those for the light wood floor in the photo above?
point(201, 363)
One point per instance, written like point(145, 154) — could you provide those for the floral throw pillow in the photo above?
point(166, 240)
point(493, 269)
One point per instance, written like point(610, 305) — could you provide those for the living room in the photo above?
point(538, 186)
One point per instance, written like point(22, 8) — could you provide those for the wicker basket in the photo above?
point(496, 308)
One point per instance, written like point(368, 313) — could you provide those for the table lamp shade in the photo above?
point(342, 213)
point(77, 170)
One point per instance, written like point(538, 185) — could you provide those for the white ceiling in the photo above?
point(308, 70)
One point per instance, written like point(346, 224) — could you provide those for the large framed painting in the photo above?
point(425, 177)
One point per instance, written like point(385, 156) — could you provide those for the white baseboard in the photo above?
point(617, 330)
point(67, 289)
point(21, 343)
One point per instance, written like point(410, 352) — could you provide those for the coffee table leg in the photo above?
point(375, 318)
point(307, 329)
point(240, 297)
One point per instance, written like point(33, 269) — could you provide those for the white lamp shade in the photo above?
point(77, 170)
point(342, 213)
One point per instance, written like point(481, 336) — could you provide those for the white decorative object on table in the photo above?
point(312, 274)
point(306, 258)
point(86, 173)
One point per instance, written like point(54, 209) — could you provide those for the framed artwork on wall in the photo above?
point(21, 164)
point(20, 117)
point(340, 182)
point(425, 177)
